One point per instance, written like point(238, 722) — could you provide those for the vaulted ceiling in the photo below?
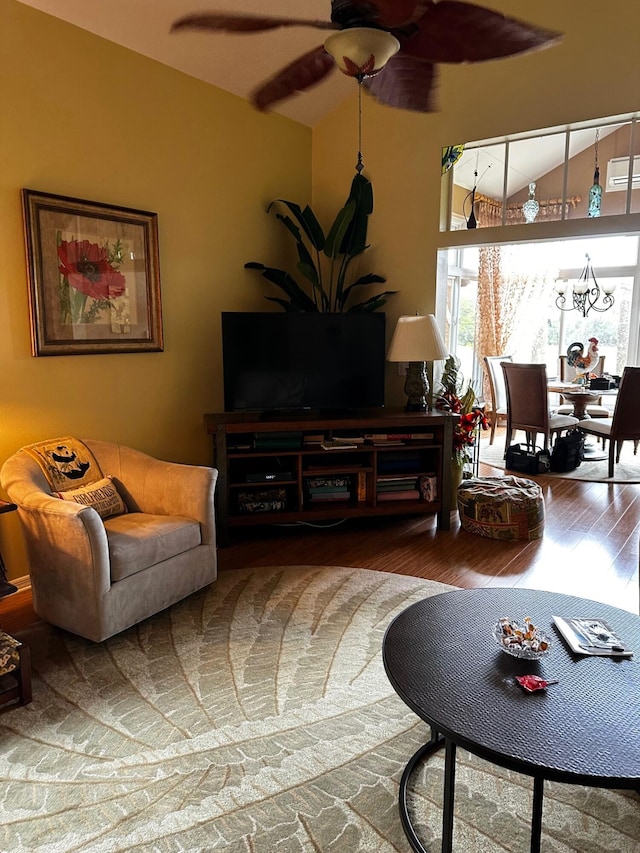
point(236, 63)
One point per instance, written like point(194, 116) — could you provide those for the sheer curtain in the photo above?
point(502, 293)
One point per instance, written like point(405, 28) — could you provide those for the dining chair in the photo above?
point(497, 389)
point(625, 423)
point(528, 404)
point(567, 374)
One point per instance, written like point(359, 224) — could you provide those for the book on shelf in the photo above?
point(593, 636)
point(265, 500)
point(403, 495)
point(277, 440)
point(348, 438)
point(396, 487)
point(313, 438)
point(328, 490)
point(398, 436)
point(326, 497)
point(320, 482)
point(337, 444)
point(361, 489)
point(397, 480)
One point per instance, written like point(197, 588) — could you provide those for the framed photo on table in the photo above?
point(94, 277)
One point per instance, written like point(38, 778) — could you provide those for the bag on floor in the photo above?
point(568, 452)
point(526, 460)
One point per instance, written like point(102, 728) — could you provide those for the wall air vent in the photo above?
point(618, 174)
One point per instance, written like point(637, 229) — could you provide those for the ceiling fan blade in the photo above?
point(406, 82)
point(301, 74)
point(225, 22)
point(385, 13)
point(453, 31)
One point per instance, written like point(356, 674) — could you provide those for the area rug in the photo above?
point(256, 717)
point(625, 471)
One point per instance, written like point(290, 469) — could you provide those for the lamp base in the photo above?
point(416, 387)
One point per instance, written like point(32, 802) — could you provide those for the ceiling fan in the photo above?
point(391, 46)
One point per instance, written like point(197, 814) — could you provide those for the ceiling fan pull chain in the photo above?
point(359, 164)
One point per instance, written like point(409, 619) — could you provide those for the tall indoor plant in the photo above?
point(324, 261)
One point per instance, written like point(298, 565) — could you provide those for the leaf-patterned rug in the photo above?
point(256, 717)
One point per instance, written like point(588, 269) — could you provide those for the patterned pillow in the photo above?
point(66, 462)
point(103, 496)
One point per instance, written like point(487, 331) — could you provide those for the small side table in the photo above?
point(6, 588)
point(15, 670)
point(15, 657)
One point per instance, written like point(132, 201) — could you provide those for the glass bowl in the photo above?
point(530, 644)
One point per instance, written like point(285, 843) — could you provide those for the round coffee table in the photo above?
point(444, 663)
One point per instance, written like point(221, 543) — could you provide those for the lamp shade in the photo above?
point(417, 338)
point(361, 51)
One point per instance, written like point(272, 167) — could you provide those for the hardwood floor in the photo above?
point(590, 548)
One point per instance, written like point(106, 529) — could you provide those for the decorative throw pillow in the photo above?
point(102, 496)
point(66, 462)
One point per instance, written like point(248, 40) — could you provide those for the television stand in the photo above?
point(314, 467)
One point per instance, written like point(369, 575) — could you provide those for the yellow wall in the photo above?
point(83, 117)
point(593, 73)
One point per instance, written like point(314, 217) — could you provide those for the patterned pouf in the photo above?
point(501, 507)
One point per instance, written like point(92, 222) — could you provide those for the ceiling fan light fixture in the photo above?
point(361, 51)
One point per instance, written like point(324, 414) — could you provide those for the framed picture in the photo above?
point(94, 278)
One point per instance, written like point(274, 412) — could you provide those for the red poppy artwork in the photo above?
point(86, 266)
point(90, 281)
point(94, 279)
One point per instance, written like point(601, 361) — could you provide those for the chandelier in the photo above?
point(585, 293)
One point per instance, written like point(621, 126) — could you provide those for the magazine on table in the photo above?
point(587, 636)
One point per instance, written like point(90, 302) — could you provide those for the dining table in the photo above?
point(579, 396)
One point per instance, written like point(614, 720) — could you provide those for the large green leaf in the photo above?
point(346, 240)
point(339, 229)
point(355, 238)
point(373, 303)
point(307, 221)
point(307, 266)
point(286, 282)
point(370, 278)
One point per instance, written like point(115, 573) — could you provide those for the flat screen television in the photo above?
point(298, 361)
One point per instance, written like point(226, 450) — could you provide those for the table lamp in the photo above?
point(417, 340)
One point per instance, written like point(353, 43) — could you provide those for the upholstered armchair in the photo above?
point(96, 576)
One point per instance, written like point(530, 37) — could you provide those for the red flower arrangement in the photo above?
point(464, 434)
point(451, 399)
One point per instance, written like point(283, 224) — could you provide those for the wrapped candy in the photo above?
point(523, 637)
point(531, 683)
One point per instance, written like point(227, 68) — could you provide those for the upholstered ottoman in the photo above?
point(15, 670)
point(501, 507)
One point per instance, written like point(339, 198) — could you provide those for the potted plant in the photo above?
point(324, 261)
point(452, 397)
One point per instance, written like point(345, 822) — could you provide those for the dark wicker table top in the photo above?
point(443, 661)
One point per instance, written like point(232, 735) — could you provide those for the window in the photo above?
point(501, 277)
point(554, 168)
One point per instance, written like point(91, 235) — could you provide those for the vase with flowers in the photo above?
point(453, 397)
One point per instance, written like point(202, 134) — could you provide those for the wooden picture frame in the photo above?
point(94, 276)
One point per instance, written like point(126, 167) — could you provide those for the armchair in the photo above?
point(96, 577)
